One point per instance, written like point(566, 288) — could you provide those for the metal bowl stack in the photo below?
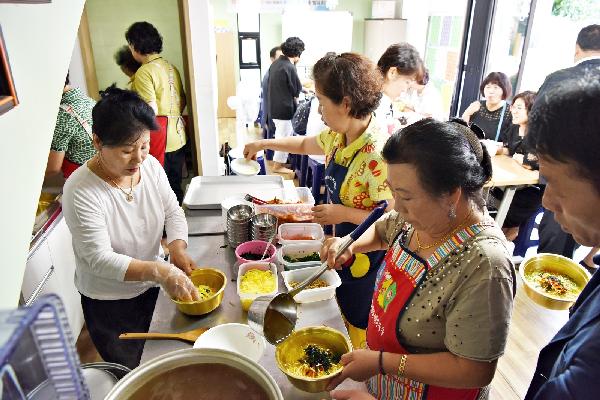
point(264, 227)
point(239, 220)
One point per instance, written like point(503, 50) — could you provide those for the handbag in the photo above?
point(300, 118)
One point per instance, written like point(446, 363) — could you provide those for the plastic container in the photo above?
point(297, 212)
point(37, 357)
point(310, 295)
point(255, 247)
point(248, 298)
point(286, 232)
point(298, 250)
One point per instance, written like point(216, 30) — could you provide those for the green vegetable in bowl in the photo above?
point(297, 259)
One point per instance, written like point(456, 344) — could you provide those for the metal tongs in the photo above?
point(275, 316)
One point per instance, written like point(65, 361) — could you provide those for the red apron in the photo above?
point(68, 167)
point(158, 139)
point(401, 274)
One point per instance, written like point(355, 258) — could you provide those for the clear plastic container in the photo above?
point(287, 232)
point(248, 298)
point(298, 250)
point(297, 212)
point(310, 295)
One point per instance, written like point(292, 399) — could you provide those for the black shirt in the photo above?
point(488, 120)
point(284, 87)
point(514, 143)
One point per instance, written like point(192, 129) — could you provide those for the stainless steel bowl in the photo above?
point(557, 264)
point(156, 369)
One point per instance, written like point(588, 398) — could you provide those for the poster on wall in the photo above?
point(8, 94)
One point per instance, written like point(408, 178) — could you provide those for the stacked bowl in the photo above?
point(239, 220)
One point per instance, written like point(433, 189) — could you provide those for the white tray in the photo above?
point(207, 192)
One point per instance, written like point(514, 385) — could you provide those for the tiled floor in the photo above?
point(531, 328)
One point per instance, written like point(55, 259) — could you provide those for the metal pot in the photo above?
point(154, 369)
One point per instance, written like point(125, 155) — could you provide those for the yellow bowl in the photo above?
point(557, 264)
point(212, 278)
point(292, 349)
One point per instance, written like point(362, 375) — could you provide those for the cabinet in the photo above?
point(380, 33)
point(52, 257)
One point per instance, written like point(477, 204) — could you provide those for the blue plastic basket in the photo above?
point(37, 357)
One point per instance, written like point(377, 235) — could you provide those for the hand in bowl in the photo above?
point(250, 149)
point(176, 283)
point(329, 251)
point(359, 365)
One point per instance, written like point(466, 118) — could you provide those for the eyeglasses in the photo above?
point(518, 108)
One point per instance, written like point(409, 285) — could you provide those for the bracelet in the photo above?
point(402, 365)
point(381, 370)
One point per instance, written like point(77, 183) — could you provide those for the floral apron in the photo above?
point(401, 275)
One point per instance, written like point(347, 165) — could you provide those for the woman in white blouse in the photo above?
point(116, 208)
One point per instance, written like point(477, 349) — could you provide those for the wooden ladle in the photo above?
point(187, 336)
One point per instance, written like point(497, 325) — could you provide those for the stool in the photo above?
point(317, 171)
point(523, 240)
point(302, 170)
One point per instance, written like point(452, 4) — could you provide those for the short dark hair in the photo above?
point(124, 58)
point(121, 116)
point(273, 51)
point(425, 77)
point(528, 97)
point(144, 38)
point(500, 79)
point(292, 47)
point(444, 156)
point(588, 38)
point(564, 124)
point(349, 75)
point(404, 57)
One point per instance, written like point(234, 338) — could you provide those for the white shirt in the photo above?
point(315, 126)
point(108, 231)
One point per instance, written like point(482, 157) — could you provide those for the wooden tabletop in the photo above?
point(508, 172)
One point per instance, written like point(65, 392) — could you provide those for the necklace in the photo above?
point(128, 196)
point(420, 246)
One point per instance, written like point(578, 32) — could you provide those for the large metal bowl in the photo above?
point(211, 277)
point(552, 263)
point(292, 349)
point(154, 372)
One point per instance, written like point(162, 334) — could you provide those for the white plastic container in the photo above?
point(296, 212)
point(298, 250)
point(286, 231)
point(248, 298)
point(317, 294)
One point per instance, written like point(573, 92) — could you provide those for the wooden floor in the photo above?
point(531, 328)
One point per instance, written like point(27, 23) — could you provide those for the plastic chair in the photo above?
point(523, 240)
point(302, 170)
point(317, 171)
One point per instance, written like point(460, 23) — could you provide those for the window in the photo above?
point(8, 95)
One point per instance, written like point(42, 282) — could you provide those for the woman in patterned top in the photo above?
point(443, 297)
point(348, 87)
point(492, 115)
point(72, 141)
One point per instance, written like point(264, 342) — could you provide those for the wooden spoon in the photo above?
point(187, 336)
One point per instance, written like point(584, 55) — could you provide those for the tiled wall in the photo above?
point(108, 21)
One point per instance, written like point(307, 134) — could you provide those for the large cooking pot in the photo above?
point(154, 376)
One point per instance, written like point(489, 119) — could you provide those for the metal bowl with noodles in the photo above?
point(211, 287)
point(553, 281)
point(310, 357)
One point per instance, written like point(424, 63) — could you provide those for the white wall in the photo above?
point(203, 82)
point(39, 40)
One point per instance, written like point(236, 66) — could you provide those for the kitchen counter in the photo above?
point(209, 251)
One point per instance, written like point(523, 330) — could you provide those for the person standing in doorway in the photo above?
point(283, 90)
point(587, 61)
point(159, 84)
point(127, 64)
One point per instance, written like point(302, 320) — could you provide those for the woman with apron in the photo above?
point(443, 297)
point(355, 176)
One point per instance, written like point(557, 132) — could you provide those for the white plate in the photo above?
point(239, 338)
point(243, 167)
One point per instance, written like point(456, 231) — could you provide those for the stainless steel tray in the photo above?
point(207, 192)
